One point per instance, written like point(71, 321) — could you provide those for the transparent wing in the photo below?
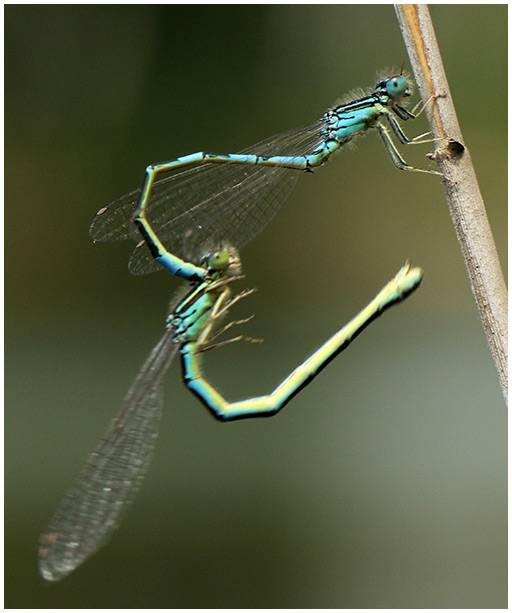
point(210, 203)
point(94, 505)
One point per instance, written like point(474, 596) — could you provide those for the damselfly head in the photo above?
point(222, 259)
point(394, 87)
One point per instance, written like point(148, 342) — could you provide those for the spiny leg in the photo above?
point(394, 154)
point(220, 308)
point(223, 330)
point(403, 138)
point(405, 114)
point(414, 115)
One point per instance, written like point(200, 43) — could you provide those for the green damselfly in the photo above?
point(94, 505)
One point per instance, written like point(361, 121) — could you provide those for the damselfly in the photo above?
point(93, 507)
point(232, 197)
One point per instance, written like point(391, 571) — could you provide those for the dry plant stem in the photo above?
point(463, 196)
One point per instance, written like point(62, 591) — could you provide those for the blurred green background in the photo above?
point(383, 484)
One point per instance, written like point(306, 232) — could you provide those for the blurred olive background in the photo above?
point(383, 484)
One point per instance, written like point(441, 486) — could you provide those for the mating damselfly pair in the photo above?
point(192, 223)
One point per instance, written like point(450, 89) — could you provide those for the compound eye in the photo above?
point(396, 87)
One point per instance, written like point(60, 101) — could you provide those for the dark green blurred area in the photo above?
point(383, 484)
